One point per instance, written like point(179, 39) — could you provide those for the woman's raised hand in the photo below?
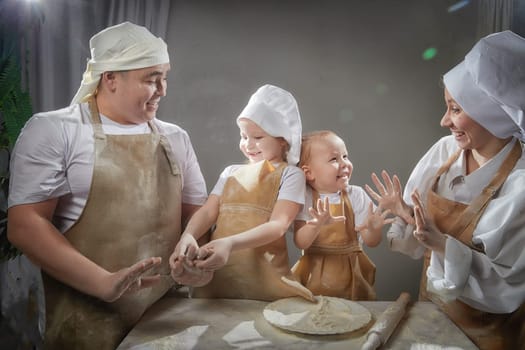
point(426, 233)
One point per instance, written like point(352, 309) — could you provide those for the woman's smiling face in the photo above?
point(467, 132)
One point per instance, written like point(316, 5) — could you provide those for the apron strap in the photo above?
point(473, 212)
point(98, 133)
point(94, 117)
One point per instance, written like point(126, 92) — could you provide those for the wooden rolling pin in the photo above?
point(386, 323)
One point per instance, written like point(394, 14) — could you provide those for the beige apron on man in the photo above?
point(489, 331)
point(247, 201)
point(335, 264)
point(133, 212)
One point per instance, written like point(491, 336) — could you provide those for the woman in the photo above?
point(464, 203)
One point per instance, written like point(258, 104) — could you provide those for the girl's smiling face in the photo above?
point(256, 144)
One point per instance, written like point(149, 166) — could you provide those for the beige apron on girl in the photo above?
point(488, 331)
point(335, 264)
point(133, 212)
point(247, 201)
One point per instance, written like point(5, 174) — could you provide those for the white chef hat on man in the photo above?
point(489, 84)
point(276, 112)
point(121, 47)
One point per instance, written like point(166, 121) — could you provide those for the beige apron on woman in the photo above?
point(488, 331)
point(133, 212)
point(335, 264)
point(247, 201)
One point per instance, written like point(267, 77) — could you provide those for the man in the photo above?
point(99, 191)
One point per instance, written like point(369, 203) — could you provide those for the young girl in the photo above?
point(252, 206)
point(333, 262)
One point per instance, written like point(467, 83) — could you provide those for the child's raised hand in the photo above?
point(390, 196)
point(321, 214)
point(376, 219)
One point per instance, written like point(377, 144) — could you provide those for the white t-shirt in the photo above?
point(491, 282)
point(53, 157)
point(291, 187)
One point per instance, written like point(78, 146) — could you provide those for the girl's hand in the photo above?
point(426, 233)
point(187, 247)
point(390, 196)
point(218, 251)
point(376, 219)
point(321, 215)
point(131, 279)
point(184, 272)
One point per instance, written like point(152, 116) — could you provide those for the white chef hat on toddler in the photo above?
point(489, 84)
point(121, 47)
point(275, 111)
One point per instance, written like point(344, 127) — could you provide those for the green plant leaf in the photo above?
point(15, 110)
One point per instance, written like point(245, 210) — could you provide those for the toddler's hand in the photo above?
point(390, 196)
point(321, 214)
point(376, 219)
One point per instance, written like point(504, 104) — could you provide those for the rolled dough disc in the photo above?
point(330, 315)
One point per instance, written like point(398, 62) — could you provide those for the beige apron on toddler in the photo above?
point(335, 264)
point(133, 212)
point(247, 201)
point(488, 331)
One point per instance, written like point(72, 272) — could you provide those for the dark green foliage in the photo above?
point(15, 110)
point(17, 20)
point(15, 104)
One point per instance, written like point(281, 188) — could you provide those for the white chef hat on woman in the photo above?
point(275, 111)
point(121, 47)
point(489, 84)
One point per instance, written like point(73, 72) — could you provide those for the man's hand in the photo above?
point(131, 279)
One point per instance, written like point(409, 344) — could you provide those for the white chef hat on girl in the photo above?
point(275, 111)
point(489, 84)
point(121, 47)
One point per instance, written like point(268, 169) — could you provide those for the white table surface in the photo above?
point(181, 323)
